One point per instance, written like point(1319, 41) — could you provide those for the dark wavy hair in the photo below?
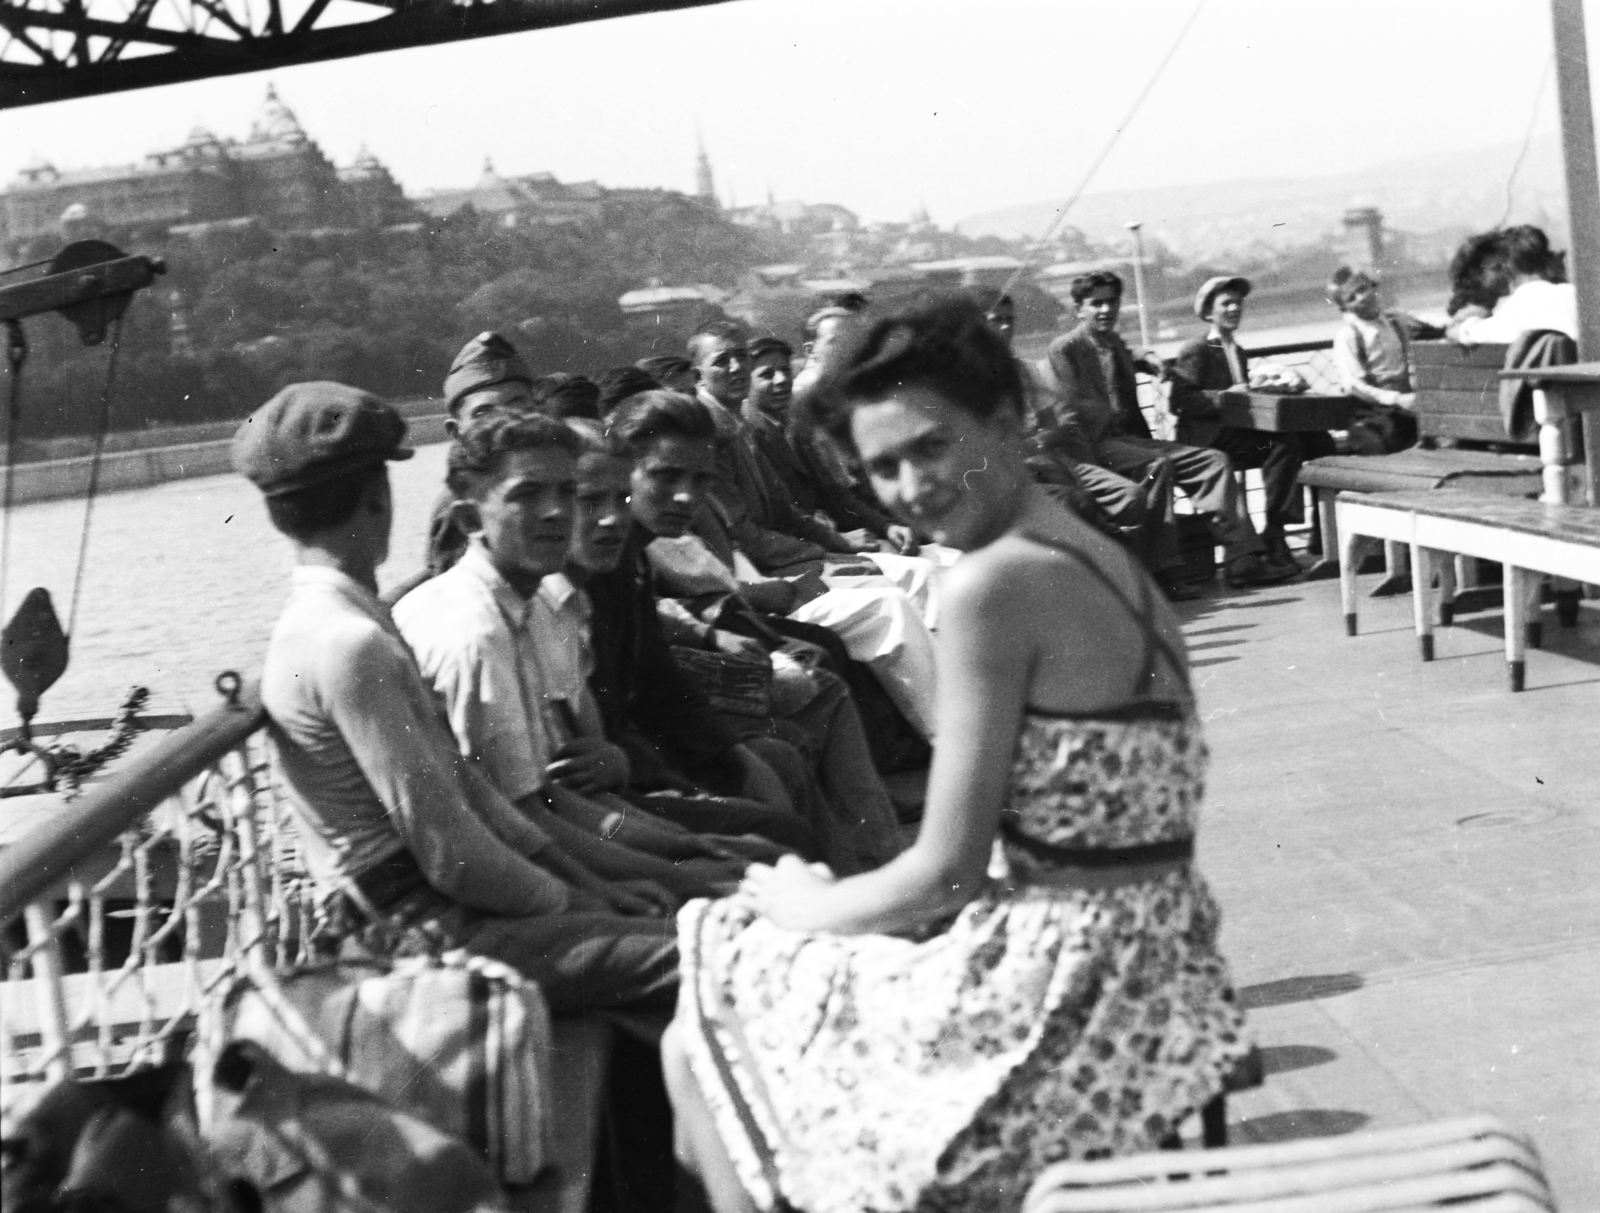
point(941, 342)
point(642, 419)
point(1085, 285)
point(480, 449)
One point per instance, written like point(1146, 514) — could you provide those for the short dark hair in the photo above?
point(770, 345)
point(1527, 250)
point(480, 448)
point(941, 342)
point(1085, 285)
point(720, 329)
point(620, 382)
point(563, 394)
point(850, 301)
point(308, 512)
point(644, 418)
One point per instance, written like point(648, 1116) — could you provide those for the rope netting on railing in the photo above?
point(108, 975)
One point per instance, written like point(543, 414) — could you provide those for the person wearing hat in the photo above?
point(400, 832)
point(1209, 367)
point(487, 376)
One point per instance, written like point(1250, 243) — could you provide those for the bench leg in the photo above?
point(1467, 572)
point(1214, 1123)
point(1516, 609)
point(1449, 570)
point(1422, 598)
point(1396, 579)
point(1347, 580)
point(1568, 595)
point(1533, 607)
point(1328, 565)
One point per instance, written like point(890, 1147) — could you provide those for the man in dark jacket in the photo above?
point(1204, 371)
point(1100, 407)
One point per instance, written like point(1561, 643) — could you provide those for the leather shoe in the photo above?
point(1278, 552)
point(1174, 590)
point(1255, 570)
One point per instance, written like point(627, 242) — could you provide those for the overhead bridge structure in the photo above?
point(53, 50)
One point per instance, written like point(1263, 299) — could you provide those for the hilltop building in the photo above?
point(277, 174)
point(705, 188)
point(536, 198)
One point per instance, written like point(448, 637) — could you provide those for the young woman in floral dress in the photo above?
point(1037, 977)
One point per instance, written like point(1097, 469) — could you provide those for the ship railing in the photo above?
point(136, 900)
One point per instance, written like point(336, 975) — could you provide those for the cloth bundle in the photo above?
point(463, 1044)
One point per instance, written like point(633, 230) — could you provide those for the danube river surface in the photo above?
point(184, 580)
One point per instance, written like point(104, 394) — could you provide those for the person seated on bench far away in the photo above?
point(1540, 296)
point(1372, 353)
point(400, 832)
point(1208, 367)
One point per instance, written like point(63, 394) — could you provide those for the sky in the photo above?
point(886, 106)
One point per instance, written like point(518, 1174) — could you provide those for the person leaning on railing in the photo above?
point(398, 828)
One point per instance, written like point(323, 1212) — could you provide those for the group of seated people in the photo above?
point(528, 751)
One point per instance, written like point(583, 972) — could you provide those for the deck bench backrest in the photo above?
point(1458, 395)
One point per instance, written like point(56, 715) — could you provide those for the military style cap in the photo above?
point(485, 361)
point(1214, 287)
point(311, 433)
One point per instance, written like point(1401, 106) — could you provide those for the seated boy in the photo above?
point(480, 632)
point(1372, 353)
point(398, 828)
point(671, 440)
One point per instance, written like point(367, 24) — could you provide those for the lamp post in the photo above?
point(1134, 226)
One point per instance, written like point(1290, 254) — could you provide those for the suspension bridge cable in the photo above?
point(1105, 151)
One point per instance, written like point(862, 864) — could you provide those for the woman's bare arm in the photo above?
point(985, 659)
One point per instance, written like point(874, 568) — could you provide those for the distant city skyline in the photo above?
point(887, 106)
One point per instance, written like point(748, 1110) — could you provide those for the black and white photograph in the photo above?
point(799, 606)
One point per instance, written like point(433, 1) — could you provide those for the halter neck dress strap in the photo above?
point(1155, 644)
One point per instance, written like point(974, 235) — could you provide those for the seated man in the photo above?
point(671, 439)
point(1207, 368)
point(398, 828)
point(480, 632)
point(1096, 373)
point(1372, 353)
point(708, 778)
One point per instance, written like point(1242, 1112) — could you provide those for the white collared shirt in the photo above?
point(1532, 306)
point(494, 658)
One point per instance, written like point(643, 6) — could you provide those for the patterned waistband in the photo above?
point(1173, 851)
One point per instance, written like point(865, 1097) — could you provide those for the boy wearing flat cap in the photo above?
point(398, 828)
point(1204, 371)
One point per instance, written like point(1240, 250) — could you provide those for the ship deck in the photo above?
point(1406, 856)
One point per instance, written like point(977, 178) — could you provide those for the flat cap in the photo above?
point(485, 361)
point(311, 433)
point(1214, 287)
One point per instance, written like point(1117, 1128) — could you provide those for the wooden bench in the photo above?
point(1458, 419)
point(1526, 537)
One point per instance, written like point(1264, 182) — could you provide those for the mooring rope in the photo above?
point(1116, 134)
point(101, 431)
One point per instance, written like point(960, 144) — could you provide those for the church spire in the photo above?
point(704, 186)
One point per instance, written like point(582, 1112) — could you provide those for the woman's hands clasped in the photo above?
point(790, 892)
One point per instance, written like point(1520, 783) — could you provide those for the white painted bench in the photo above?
point(1528, 538)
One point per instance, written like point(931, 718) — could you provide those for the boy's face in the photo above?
point(1227, 310)
point(771, 382)
point(512, 399)
point(723, 367)
point(1362, 300)
point(525, 516)
point(1101, 309)
point(669, 483)
point(601, 517)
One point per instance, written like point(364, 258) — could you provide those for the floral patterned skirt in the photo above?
point(877, 1074)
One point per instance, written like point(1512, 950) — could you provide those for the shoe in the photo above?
point(1174, 590)
point(1278, 553)
point(1255, 570)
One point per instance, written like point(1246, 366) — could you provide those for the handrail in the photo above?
point(79, 827)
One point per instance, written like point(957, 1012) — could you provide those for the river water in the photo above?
point(183, 581)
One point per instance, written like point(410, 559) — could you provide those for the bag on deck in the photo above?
point(463, 1044)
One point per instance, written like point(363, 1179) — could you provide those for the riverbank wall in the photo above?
point(140, 458)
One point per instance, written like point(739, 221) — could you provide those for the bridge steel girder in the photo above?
point(178, 55)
